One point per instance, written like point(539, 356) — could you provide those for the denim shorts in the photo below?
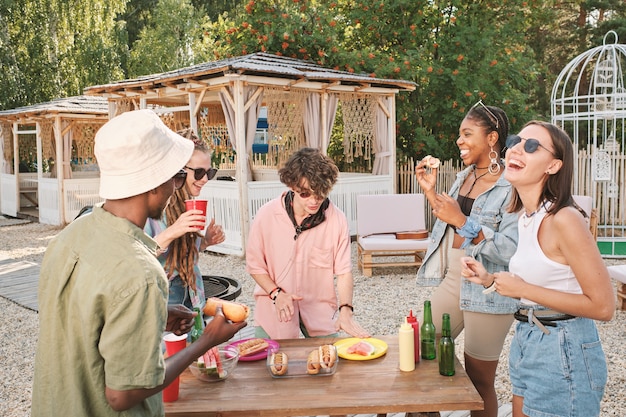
point(179, 293)
point(560, 374)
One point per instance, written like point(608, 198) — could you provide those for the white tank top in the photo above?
point(530, 263)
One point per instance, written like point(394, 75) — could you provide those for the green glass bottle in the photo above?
point(446, 348)
point(427, 334)
point(198, 326)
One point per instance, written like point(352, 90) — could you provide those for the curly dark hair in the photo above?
point(310, 164)
point(494, 119)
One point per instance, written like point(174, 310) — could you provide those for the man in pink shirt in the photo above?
point(298, 243)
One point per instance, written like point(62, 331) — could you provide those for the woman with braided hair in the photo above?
point(177, 232)
point(472, 220)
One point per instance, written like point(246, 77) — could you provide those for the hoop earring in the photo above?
point(494, 164)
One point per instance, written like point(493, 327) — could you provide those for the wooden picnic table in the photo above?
point(358, 387)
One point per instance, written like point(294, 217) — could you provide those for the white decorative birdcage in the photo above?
point(589, 102)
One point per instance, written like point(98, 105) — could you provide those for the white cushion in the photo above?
point(390, 213)
point(618, 272)
point(389, 242)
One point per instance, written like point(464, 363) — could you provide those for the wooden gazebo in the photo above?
point(222, 101)
point(47, 158)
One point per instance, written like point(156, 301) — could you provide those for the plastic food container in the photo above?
point(297, 363)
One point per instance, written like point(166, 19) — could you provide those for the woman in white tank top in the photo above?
point(556, 363)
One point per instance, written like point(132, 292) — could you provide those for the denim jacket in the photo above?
point(500, 230)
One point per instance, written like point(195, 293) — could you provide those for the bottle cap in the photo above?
point(411, 318)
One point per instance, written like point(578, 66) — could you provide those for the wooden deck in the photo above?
point(19, 280)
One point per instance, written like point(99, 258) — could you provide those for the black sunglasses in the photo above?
point(530, 144)
point(308, 193)
point(198, 173)
point(179, 179)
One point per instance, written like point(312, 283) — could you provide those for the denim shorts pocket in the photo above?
point(596, 365)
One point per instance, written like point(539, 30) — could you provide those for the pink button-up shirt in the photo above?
point(305, 267)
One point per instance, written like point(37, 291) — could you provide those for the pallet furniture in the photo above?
point(379, 218)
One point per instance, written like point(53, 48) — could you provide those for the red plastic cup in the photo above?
point(197, 205)
point(173, 344)
point(170, 393)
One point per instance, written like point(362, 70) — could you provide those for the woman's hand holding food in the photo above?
point(426, 175)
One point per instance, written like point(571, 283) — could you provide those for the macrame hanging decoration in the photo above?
point(125, 104)
point(214, 131)
point(358, 125)
point(6, 135)
point(285, 110)
point(27, 146)
point(175, 120)
point(48, 143)
point(83, 139)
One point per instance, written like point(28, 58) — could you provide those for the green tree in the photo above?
point(169, 40)
point(55, 48)
point(449, 51)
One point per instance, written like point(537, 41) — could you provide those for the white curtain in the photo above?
point(381, 141)
point(67, 151)
point(331, 111)
point(4, 167)
point(318, 136)
point(311, 116)
point(251, 117)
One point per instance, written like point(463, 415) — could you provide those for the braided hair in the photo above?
point(494, 119)
point(183, 253)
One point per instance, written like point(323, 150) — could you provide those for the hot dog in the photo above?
point(252, 346)
point(278, 363)
point(327, 355)
point(233, 311)
point(431, 162)
point(313, 362)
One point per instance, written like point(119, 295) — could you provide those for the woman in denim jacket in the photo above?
point(472, 220)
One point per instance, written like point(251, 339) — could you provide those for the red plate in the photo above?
point(257, 356)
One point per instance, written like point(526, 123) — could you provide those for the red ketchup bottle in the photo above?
point(412, 320)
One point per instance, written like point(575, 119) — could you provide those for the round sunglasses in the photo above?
point(530, 145)
point(308, 193)
point(179, 179)
point(199, 173)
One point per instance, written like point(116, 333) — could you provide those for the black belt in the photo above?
point(541, 317)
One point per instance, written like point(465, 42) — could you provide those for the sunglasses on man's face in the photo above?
point(199, 173)
point(530, 145)
point(179, 179)
point(308, 193)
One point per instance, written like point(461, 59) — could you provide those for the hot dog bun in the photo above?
point(431, 162)
point(327, 356)
point(233, 311)
point(279, 362)
point(252, 346)
point(313, 362)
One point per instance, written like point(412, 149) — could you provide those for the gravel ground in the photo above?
point(381, 302)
